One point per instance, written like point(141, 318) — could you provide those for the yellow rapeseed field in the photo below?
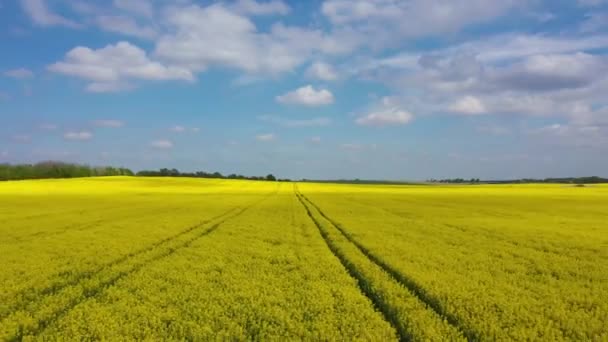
point(125, 258)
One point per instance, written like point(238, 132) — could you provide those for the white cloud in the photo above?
point(387, 117)
point(162, 144)
point(140, 7)
point(322, 71)
point(513, 46)
point(266, 137)
point(307, 96)
point(315, 140)
point(78, 135)
point(110, 68)
point(469, 105)
point(126, 26)
point(109, 123)
point(551, 71)
point(20, 73)
point(202, 37)
point(252, 7)
point(390, 21)
point(41, 15)
point(178, 129)
point(183, 129)
point(387, 114)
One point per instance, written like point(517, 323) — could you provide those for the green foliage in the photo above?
point(54, 169)
point(202, 174)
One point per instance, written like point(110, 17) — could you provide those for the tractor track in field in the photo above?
point(363, 284)
point(84, 226)
point(32, 294)
point(87, 293)
point(418, 291)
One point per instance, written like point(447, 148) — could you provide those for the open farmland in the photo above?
point(169, 258)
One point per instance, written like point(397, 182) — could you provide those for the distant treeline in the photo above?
point(203, 174)
point(455, 180)
point(55, 169)
point(566, 180)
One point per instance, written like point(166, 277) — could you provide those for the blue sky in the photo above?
point(382, 89)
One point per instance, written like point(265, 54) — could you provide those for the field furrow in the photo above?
point(132, 258)
point(43, 308)
point(508, 263)
point(266, 275)
point(409, 312)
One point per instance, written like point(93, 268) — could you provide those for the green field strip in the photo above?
point(34, 316)
point(410, 317)
point(415, 288)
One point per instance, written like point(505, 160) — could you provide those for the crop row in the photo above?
point(410, 313)
point(266, 275)
point(507, 263)
point(33, 312)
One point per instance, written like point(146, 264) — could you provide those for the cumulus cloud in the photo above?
point(307, 96)
point(203, 37)
point(322, 71)
point(183, 129)
point(266, 137)
point(125, 25)
point(178, 129)
point(389, 21)
point(21, 73)
point(387, 114)
point(78, 135)
point(110, 68)
point(109, 123)
point(162, 144)
point(387, 117)
point(41, 15)
point(469, 105)
point(551, 72)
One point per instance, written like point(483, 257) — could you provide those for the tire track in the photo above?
point(89, 284)
point(365, 287)
point(32, 294)
point(423, 295)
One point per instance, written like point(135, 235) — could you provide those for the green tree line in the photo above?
point(202, 174)
point(55, 169)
